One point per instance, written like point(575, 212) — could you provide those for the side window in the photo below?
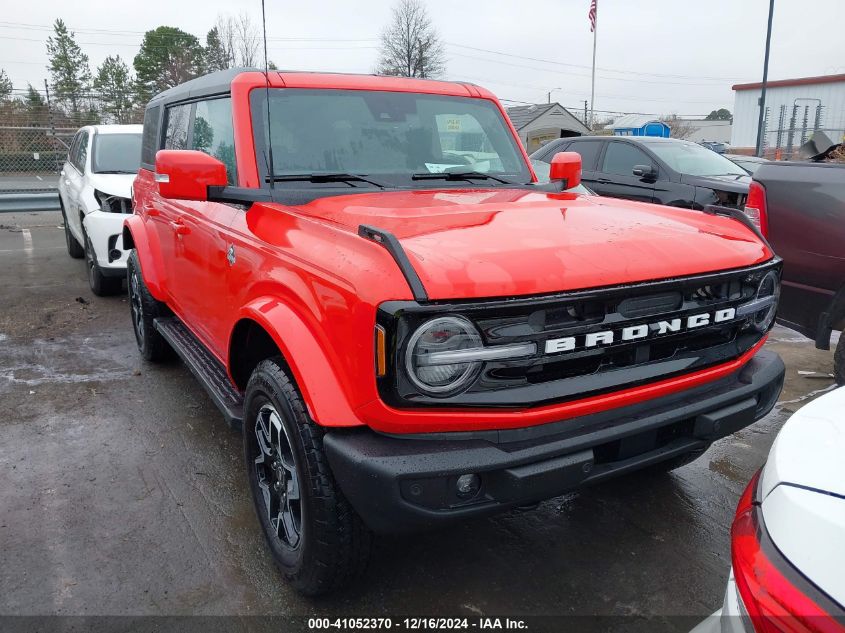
point(150, 139)
point(620, 159)
point(213, 133)
point(82, 152)
point(589, 151)
point(176, 133)
point(71, 152)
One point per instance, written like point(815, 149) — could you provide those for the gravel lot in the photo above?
point(124, 492)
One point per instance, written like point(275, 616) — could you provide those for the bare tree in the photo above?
point(247, 40)
point(410, 46)
point(239, 40)
point(679, 128)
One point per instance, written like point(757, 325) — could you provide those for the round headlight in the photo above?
point(769, 286)
point(431, 372)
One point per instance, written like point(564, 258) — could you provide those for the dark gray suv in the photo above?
point(650, 169)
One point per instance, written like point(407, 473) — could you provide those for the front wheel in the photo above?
point(101, 285)
point(144, 309)
point(73, 247)
point(317, 540)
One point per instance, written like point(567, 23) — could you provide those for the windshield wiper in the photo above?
point(318, 178)
point(460, 175)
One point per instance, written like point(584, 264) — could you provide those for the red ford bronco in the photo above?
point(365, 275)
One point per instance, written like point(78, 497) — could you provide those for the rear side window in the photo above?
point(83, 151)
point(71, 152)
point(213, 133)
point(589, 151)
point(176, 133)
point(149, 142)
point(79, 151)
point(621, 158)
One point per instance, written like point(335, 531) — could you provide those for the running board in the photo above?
point(206, 368)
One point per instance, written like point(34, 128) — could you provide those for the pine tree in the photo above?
point(68, 66)
point(216, 56)
point(114, 87)
point(168, 57)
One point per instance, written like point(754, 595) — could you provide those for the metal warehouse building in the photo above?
point(795, 108)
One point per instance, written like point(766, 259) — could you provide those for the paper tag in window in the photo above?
point(453, 125)
point(439, 168)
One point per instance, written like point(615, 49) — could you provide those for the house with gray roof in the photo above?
point(537, 124)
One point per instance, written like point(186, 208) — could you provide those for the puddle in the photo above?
point(67, 360)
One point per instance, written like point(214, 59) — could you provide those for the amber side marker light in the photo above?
point(381, 357)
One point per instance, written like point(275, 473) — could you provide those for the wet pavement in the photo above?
point(123, 491)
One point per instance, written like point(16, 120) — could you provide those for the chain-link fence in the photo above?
point(35, 133)
point(31, 157)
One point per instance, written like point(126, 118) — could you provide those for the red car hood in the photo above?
point(474, 243)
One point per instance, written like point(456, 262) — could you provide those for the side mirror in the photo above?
point(644, 171)
point(184, 174)
point(566, 169)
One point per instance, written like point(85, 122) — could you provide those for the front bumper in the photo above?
point(403, 483)
point(105, 230)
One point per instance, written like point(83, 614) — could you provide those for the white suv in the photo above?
point(95, 192)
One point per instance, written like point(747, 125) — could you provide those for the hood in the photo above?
point(731, 183)
point(468, 243)
point(809, 448)
point(112, 184)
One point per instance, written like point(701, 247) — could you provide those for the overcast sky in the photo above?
point(655, 56)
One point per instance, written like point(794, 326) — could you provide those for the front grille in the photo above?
point(583, 369)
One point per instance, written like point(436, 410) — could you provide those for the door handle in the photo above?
point(179, 228)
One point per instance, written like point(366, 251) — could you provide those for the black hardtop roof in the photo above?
point(213, 83)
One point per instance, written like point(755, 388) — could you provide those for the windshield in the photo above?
point(695, 160)
point(392, 136)
point(116, 153)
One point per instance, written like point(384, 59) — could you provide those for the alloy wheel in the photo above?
point(275, 470)
point(137, 306)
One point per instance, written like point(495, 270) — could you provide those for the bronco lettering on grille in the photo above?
point(634, 332)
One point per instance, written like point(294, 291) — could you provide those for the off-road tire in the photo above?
point(101, 285)
point(151, 344)
point(839, 361)
point(74, 248)
point(334, 544)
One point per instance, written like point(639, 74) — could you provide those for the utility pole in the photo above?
point(759, 148)
point(595, 29)
point(585, 112)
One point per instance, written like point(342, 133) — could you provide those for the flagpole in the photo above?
point(593, 91)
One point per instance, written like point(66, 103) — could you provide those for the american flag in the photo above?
point(592, 15)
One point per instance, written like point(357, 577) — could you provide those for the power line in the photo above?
point(572, 74)
point(88, 31)
point(614, 70)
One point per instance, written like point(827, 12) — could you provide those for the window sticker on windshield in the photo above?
point(439, 168)
point(453, 125)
